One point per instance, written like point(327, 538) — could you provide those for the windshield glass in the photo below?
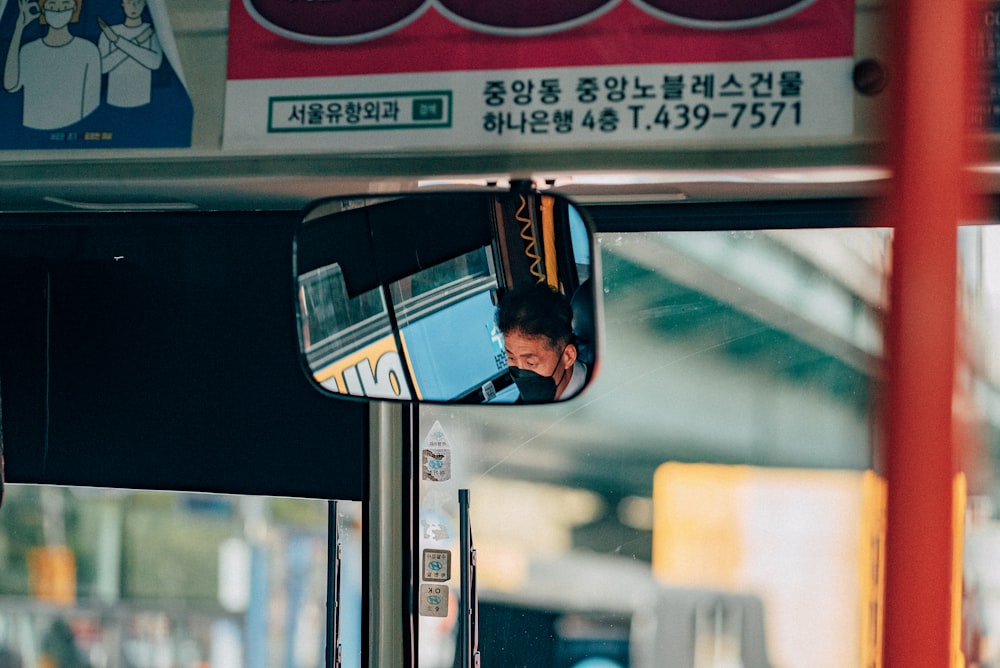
point(104, 578)
point(712, 499)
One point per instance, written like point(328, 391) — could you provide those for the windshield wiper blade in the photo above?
point(469, 621)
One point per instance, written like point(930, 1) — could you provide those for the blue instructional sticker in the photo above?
point(82, 74)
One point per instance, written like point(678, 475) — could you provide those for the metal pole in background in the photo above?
point(387, 639)
point(927, 144)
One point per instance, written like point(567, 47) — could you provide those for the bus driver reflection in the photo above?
point(537, 326)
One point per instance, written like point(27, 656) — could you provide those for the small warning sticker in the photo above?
point(436, 464)
point(437, 565)
point(433, 600)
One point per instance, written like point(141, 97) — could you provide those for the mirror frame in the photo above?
point(413, 252)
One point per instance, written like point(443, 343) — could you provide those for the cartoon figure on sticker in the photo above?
point(59, 73)
point(130, 52)
point(91, 74)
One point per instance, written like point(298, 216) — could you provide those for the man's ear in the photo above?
point(569, 355)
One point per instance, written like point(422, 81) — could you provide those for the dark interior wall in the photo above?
point(159, 351)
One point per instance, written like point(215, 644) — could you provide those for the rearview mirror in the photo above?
point(469, 297)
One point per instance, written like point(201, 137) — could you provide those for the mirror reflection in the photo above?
point(471, 297)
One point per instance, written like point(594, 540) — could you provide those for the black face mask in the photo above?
point(534, 387)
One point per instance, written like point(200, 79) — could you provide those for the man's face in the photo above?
point(531, 353)
point(538, 354)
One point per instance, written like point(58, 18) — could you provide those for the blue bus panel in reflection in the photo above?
point(464, 334)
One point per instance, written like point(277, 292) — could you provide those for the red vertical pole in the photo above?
point(927, 141)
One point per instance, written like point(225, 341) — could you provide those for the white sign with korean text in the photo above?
point(633, 104)
point(444, 76)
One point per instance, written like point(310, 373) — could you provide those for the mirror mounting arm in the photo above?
point(522, 186)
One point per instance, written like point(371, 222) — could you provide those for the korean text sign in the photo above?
point(443, 74)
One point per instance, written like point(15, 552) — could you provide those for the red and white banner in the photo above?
point(462, 74)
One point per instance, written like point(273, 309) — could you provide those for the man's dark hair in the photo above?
point(538, 310)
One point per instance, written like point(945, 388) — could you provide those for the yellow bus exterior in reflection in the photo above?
point(374, 371)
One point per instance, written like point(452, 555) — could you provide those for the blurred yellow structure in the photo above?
point(808, 543)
